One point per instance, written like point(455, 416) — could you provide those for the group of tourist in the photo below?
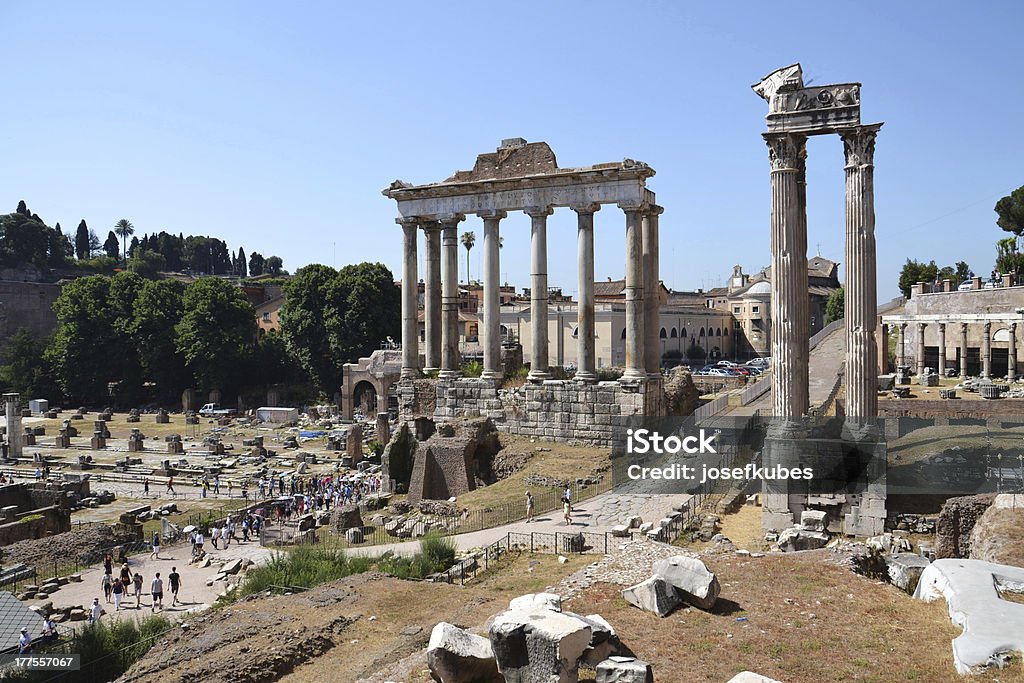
point(116, 588)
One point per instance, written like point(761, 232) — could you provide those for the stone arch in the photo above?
point(663, 334)
point(674, 334)
point(682, 333)
point(623, 333)
point(575, 332)
point(364, 396)
point(718, 331)
point(702, 331)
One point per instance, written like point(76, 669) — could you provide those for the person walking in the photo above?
point(214, 535)
point(174, 579)
point(567, 511)
point(529, 507)
point(156, 546)
point(145, 487)
point(49, 632)
point(126, 575)
point(95, 611)
point(118, 590)
point(157, 589)
point(24, 643)
point(107, 584)
point(137, 587)
point(170, 484)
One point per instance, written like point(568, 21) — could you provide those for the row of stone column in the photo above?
point(441, 293)
point(986, 348)
point(790, 300)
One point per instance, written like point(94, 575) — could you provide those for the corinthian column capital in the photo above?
point(538, 211)
point(786, 151)
point(859, 144)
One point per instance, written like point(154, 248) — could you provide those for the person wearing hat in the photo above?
point(24, 642)
point(95, 611)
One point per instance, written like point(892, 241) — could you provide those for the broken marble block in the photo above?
point(695, 583)
point(539, 647)
point(624, 670)
point(455, 655)
point(654, 595)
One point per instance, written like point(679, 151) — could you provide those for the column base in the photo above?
point(586, 377)
point(409, 373)
point(449, 374)
point(538, 376)
point(427, 371)
point(491, 374)
point(634, 374)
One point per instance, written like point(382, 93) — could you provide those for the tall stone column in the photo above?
point(652, 291)
point(901, 347)
point(1011, 356)
point(450, 359)
point(920, 348)
point(789, 298)
point(861, 307)
point(635, 327)
point(586, 365)
point(539, 293)
point(986, 351)
point(492, 295)
point(883, 350)
point(942, 349)
point(963, 350)
point(15, 440)
point(410, 297)
point(432, 294)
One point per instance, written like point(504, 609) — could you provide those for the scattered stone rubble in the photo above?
point(810, 534)
point(676, 580)
point(533, 641)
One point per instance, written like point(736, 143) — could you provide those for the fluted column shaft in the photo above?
point(539, 293)
point(450, 360)
point(1011, 358)
point(986, 351)
point(942, 349)
point(432, 294)
point(635, 326)
point(410, 294)
point(861, 301)
point(652, 291)
point(963, 350)
point(920, 348)
point(883, 349)
point(789, 300)
point(492, 295)
point(586, 370)
point(901, 347)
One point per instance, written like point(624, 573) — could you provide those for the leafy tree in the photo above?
point(217, 326)
point(1008, 259)
point(124, 229)
point(256, 264)
point(962, 273)
point(468, 241)
point(273, 265)
point(82, 241)
point(24, 240)
point(133, 247)
point(110, 247)
point(158, 308)
point(696, 352)
point(25, 369)
point(88, 350)
point(147, 263)
point(835, 306)
point(333, 317)
point(59, 248)
point(22, 209)
point(914, 272)
point(1010, 210)
point(94, 245)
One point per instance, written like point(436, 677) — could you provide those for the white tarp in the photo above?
point(278, 415)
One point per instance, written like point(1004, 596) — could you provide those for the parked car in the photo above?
point(965, 286)
point(740, 370)
point(726, 364)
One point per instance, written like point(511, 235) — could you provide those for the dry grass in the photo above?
point(558, 460)
point(806, 620)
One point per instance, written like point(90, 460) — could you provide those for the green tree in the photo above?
point(256, 264)
point(25, 369)
point(468, 241)
point(147, 263)
point(962, 272)
point(835, 306)
point(82, 241)
point(334, 317)
point(1010, 210)
point(110, 247)
point(1008, 259)
point(24, 239)
point(158, 308)
point(241, 263)
point(124, 229)
point(914, 272)
point(273, 266)
point(216, 329)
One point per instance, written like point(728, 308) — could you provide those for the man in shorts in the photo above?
point(174, 579)
point(157, 588)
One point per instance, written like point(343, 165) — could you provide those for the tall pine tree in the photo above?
point(82, 241)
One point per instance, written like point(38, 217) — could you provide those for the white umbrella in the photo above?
point(189, 529)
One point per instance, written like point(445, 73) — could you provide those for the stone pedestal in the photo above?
point(162, 417)
point(28, 439)
point(14, 439)
point(62, 440)
point(98, 441)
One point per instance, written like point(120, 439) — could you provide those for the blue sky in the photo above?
point(275, 126)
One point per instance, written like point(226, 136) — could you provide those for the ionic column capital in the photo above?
point(409, 221)
point(654, 210)
point(492, 214)
point(584, 209)
point(538, 211)
point(633, 207)
point(786, 151)
point(987, 327)
point(859, 144)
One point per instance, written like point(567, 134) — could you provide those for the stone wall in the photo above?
point(28, 305)
point(35, 524)
point(956, 521)
point(558, 410)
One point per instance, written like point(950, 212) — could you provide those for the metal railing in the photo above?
point(711, 408)
point(824, 332)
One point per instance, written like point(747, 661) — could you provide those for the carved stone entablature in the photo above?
point(859, 144)
point(815, 110)
point(786, 152)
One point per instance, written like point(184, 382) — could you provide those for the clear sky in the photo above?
point(275, 125)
